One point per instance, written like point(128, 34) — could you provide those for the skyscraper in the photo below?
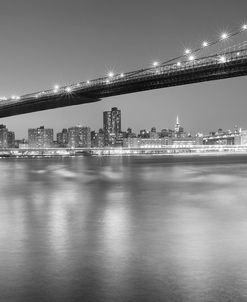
point(179, 131)
point(112, 125)
point(3, 136)
point(116, 120)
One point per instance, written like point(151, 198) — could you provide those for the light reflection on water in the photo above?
point(123, 229)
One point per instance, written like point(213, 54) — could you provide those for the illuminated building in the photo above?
point(79, 137)
point(144, 134)
point(62, 138)
point(40, 137)
point(97, 139)
point(11, 139)
point(179, 131)
point(112, 126)
point(221, 137)
point(3, 136)
point(153, 133)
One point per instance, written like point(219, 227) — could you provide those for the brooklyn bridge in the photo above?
point(190, 67)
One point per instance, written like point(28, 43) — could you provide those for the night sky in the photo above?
point(50, 42)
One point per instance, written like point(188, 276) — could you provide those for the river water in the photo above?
point(123, 229)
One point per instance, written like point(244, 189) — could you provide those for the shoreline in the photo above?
point(147, 154)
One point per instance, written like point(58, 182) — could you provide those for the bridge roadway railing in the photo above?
point(123, 79)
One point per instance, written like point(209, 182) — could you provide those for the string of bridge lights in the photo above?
point(188, 55)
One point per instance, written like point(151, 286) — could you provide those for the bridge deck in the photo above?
point(188, 72)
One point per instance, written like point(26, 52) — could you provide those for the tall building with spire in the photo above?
point(179, 131)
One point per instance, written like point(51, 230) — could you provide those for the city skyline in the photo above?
point(52, 54)
point(112, 135)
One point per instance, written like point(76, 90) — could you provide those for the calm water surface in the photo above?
point(123, 229)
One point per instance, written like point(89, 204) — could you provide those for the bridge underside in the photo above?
point(45, 104)
point(179, 78)
point(95, 93)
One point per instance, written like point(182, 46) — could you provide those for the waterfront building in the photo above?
point(11, 139)
point(97, 139)
point(199, 139)
point(166, 133)
point(85, 137)
point(178, 130)
point(131, 142)
point(129, 132)
point(62, 138)
point(153, 133)
point(40, 137)
point(241, 139)
point(221, 137)
point(20, 142)
point(79, 137)
point(184, 141)
point(93, 139)
point(112, 126)
point(3, 136)
point(154, 142)
point(73, 137)
point(144, 134)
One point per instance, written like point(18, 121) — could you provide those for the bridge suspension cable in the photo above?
point(205, 44)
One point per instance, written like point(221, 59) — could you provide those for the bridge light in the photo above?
point(121, 75)
point(224, 36)
point(204, 44)
point(238, 53)
point(13, 97)
point(191, 58)
point(178, 63)
point(110, 74)
point(107, 81)
point(68, 89)
point(56, 87)
point(187, 51)
point(244, 27)
point(88, 82)
point(18, 98)
point(222, 59)
point(155, 63)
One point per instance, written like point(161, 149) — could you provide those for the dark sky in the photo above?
point(64, 41)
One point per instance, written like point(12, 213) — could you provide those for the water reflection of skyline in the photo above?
point(119, 228)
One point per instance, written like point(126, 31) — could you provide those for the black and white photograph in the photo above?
point(123, 151)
